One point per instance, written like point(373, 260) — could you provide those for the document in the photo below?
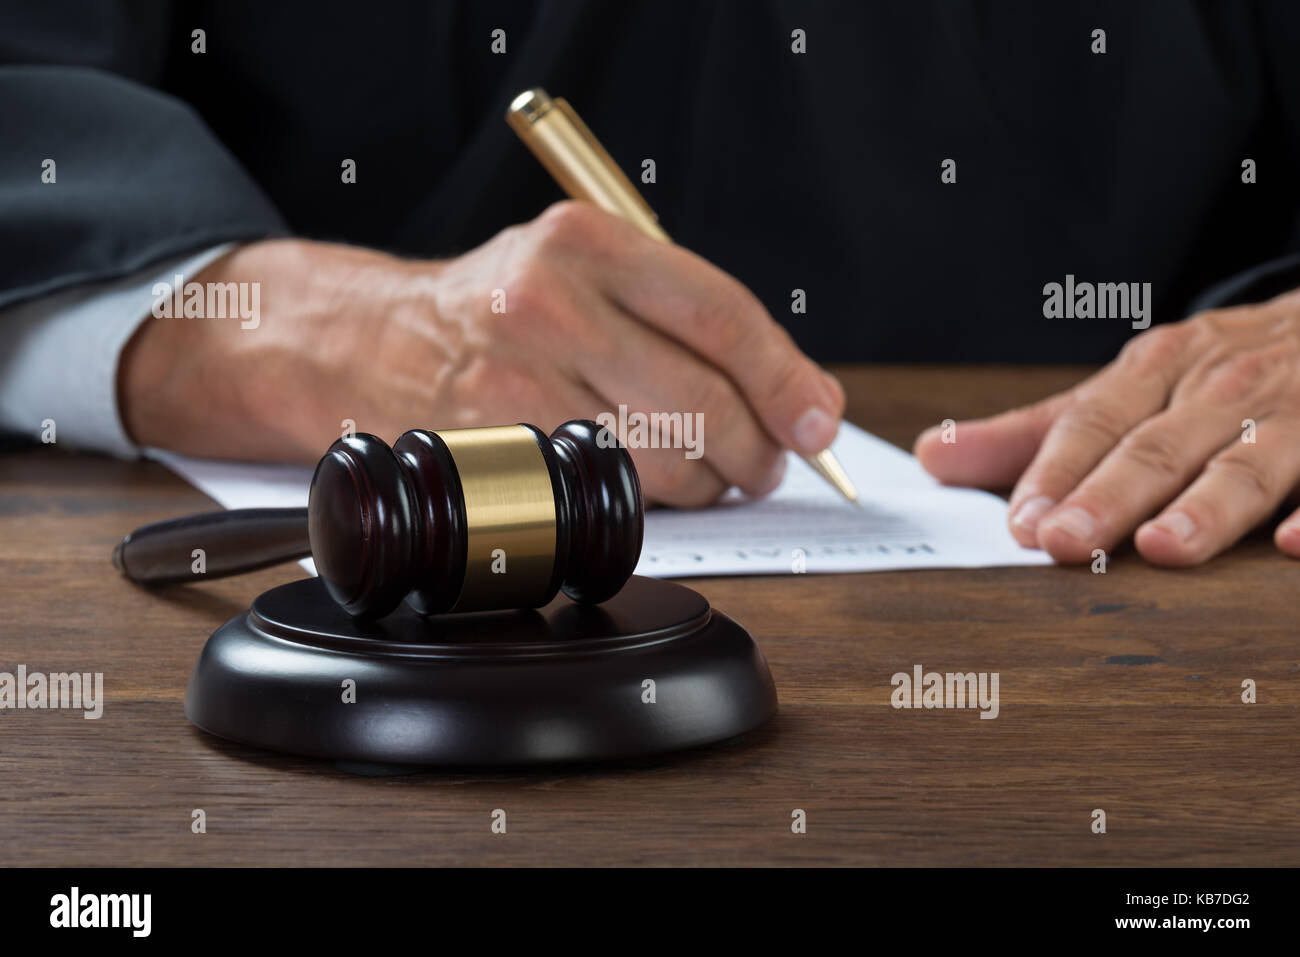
point(903, 518)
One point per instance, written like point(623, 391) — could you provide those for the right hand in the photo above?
point(596, 315)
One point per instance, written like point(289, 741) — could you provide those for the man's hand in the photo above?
point(595, 315)
point(1197, 423)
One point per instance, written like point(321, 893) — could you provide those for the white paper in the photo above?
point(904, 518)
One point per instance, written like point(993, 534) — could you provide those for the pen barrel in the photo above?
point(213, 545)
point(585, 171)
point(576, 160)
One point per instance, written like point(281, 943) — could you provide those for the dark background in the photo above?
point(818, 171)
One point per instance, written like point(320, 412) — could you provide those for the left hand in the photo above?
point(1156, 442)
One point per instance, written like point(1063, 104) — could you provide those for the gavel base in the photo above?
point(652, 670)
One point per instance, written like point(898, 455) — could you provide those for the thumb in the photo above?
point(992, 452)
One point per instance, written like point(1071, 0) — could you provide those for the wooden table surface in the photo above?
point(1118, 691)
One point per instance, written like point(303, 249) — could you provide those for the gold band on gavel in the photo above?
point(509, 517)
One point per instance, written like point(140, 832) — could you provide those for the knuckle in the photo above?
point(1287, 300)
point(531, 291)
point(1212, 322)
point(712, 396)
point(564, 215)
point(565, 224)
point(543, 297)
point(1156, 450)
point(1246, 471)
point(511, 237)
point(1048, 477)
point(482, 375)
point(1287, 325)
point(1238, 375)
point(721, 317)
point(1095, 421)
point(1156, 350)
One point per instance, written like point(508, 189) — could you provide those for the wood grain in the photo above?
point(1119, 691)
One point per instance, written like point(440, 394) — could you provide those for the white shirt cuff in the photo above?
point(59, 356)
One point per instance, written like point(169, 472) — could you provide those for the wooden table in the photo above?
point(1118, 691)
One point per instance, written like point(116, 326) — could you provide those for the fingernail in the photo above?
point(814, 431)
point(1027, 515)
point(1074, 522)
point(1177, 524)
point(773, 480)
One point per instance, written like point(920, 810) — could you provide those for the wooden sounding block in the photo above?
point(420, 642)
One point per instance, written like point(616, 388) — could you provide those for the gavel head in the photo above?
point(475, 519)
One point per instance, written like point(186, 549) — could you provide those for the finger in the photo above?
point(712, 314)
point(1288, 299)
point(1240, 487)
point(1156, 460)
point(1287, 536)
point(645, 374)
point(667, 477)
point(1149, 466)
point(991, 452)
point(1130, 389)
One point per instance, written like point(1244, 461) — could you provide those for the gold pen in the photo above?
point(563, 144)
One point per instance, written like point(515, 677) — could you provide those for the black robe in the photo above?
point(818, 171)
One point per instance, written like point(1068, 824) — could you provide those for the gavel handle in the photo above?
point(232, 542)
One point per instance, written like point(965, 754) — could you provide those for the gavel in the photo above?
point(451, 521)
